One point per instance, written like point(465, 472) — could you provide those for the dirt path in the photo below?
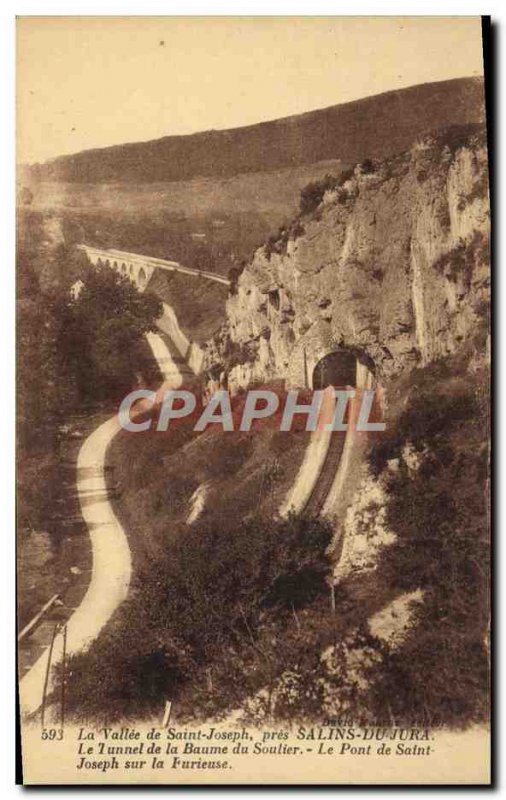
point(166, 363)
point(112, 565)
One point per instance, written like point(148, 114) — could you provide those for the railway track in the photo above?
point(322, 488)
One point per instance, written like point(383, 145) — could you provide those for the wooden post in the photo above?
point(46, 679)
point(308, 379)
point(166, 713)
point(295, 617)
point(63, 677)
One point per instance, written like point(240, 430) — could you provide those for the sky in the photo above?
point(85, 82)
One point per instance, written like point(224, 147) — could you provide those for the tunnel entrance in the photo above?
point(335, 369)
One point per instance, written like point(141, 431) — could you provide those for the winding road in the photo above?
point(111, 559)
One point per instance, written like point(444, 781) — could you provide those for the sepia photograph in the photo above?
point(253, 400)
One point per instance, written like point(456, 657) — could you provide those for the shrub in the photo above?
point(278, 242)
point(297, 230)
point(439, 675)
point(367, 167)
point(462, 259)
point(237, 353)
point(208, 594)
point(312, 194)
point(234, 274)
point(480, 189)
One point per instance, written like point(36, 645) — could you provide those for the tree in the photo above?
point(103, 325)
point(45, 388)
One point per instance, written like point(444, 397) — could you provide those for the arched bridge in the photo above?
point(140, 268)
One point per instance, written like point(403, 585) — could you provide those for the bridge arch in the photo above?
point(141, 267)
point(142, 278)
point(124, 268)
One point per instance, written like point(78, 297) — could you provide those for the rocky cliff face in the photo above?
point(393, 263)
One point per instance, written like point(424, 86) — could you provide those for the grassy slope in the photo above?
point(157, 473)
point(274, 191)
point(236, 214)
point(441, 518)
point(199, 304)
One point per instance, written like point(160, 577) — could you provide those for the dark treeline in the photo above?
point(372, 127)
point(74, 352)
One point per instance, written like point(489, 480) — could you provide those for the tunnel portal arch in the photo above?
point(318, 344)
point(338, 368)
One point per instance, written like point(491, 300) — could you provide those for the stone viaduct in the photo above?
point(140, 268)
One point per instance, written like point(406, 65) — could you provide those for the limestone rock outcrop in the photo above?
point(393, 263)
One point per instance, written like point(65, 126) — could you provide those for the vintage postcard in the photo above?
point(253, 400)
